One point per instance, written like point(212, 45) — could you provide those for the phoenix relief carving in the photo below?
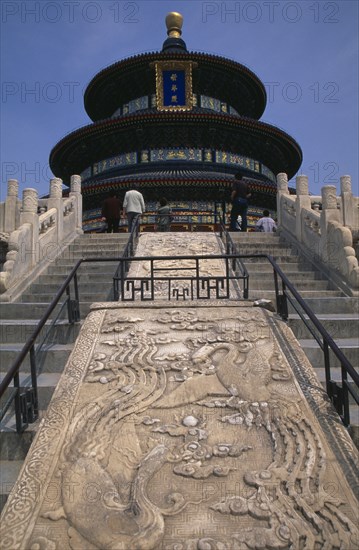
point(154, 378)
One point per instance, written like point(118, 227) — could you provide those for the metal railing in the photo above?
point(26, 399)
point(179, 282)
point(286, 292)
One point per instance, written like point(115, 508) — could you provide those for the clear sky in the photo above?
point(305, 52)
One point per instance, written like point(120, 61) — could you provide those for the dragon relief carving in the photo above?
point(141, 376)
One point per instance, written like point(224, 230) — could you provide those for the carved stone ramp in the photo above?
point(194, 426)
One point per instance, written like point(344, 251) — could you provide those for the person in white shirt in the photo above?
point(266, 223)
point(133, 205)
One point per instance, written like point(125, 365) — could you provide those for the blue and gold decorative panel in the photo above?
point(174, 97)
point(236, 159)
point(138, 104)
point(207, 155)
point(187, 154)
point(174, 85)
point(120, 160)
point(174, 88)
point(86, 173)
point(249, 164)
point(268, 173)
point(159, 155)
point(222, 157)
point(210, 103)
point(145, 156)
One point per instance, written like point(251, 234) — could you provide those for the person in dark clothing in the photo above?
point(239, 197)
point(111, 212)
point(164, 216)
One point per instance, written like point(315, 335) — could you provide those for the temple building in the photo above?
point(180, 124)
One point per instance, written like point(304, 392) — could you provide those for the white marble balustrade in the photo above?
point(324, 225)
point(33, 227)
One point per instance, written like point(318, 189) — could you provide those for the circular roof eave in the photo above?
point(84, 142)
point(96, 97)
point(186, 177)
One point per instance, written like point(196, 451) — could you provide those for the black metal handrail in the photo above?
point(200, 285)
point(29, 401)
point(339, 395)
point(130, 247)
point(26, 404)
point(231, 248)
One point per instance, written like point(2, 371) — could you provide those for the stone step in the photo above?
point(96, 245)
point(102, 237)
point(104, 296)
point(14, 446)
point(349, 346)
point(84, 287)
point(329, 305)
point(255, 294)
point(295, 276)
point(255, 236)
point(15, 331)
point(46, 384)
point(343, 325)
point(266, 283)
point(335, 374)
point(9, 471)
point(82, 277)
point(279, 259)
point(271, 250)
point(75, 255)
point(51, 358)
point(112, 249)
point(64, 267)
point(31, 310)
point(288, 267)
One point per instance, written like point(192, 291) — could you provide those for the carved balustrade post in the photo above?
point(282, 189)
point(30, 246)
point(56, 201)
point(348, 205)
point(76, 193)
point(330, 213)
point(302, 202)
point(12, 211)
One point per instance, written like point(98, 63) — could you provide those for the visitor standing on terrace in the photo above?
point(133, 205)
point(239, 197)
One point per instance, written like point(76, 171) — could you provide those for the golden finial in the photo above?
point(174, 22)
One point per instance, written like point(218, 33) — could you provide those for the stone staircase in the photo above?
point(19, 319)
point(337, 312)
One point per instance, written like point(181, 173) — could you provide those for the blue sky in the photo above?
point(305, 52)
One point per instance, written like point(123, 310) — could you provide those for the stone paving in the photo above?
point(191, 425)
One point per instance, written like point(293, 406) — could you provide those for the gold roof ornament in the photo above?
point(174, 22)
